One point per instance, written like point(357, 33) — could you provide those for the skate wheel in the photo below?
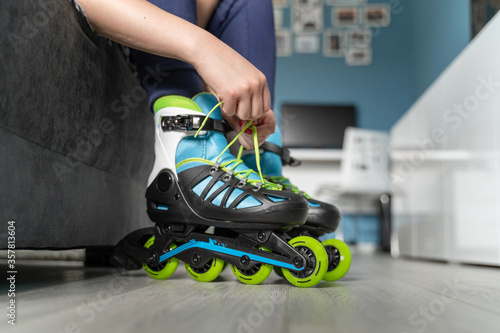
point(254, 275)
point(317, 266)
point(162, 270)
point(339, 259)
point(207, 273)
point(278, 271)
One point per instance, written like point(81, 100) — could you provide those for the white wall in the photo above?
point(446, 161)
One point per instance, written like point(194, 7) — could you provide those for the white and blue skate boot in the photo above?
point(210, 208)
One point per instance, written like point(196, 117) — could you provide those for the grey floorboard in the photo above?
point(379, 294)
point(476, 285)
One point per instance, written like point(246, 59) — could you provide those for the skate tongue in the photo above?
point(216, 141)
point(206, 102)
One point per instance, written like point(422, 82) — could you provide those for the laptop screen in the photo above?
point(316, 126)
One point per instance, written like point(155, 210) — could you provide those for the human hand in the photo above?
point(236, 82)
point(265, 126)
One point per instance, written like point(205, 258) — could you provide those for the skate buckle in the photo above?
point(181, 122)
point(286, 159)
point(284, 153)
point(187, 122)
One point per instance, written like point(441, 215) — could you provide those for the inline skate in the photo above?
point(210, 209)
point(322, 217)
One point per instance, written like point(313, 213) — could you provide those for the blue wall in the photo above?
point(422, 39)
point(438, 39)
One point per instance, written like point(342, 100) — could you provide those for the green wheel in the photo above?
point(254, 275)
point(207, 273)
point(162, 270)
point(339, 259)
point(317, 265)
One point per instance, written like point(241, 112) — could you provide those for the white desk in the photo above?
point(319, 167)
point(321, 155)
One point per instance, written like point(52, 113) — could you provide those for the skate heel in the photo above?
point(130, 253)
point(121, 260)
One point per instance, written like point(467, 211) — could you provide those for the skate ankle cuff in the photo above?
point(193, 123)
point(284, 153)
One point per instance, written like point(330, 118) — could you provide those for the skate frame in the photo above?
point(198, 248)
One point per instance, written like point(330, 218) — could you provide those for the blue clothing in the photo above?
point(246, 26)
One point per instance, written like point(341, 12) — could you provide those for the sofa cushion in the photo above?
point(75, 130)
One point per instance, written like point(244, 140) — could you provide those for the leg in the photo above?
point(248, 27)
point(205, 10)
point(164, 76)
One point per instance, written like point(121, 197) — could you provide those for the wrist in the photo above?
point(199, 48)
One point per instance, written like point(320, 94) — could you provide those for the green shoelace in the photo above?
point(231, 165)
point(287, 185)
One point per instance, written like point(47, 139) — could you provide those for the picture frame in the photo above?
point(376, 16)
point(307, 16)
point(307, 43)
point(346, 2)
point(283, 43)
point(278, 18)
point(359, 56)
point(345, 16)
point(281, 3)
point(333, 43)
point(358, 37)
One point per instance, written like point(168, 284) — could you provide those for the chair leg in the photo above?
point(385, 222)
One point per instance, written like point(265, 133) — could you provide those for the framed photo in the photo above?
point(345, 2)
point(345, 16)
point(278, 18)
point(333, 44)
point(307, 16)
point(376, 16)
point(307, 44)
point(283, 43)
point(359, 56)
point(359, 38)
point(280, 3)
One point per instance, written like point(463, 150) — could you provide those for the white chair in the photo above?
point(364, 186)
point(364, 167)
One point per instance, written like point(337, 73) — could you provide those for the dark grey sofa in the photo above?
point(76, 136)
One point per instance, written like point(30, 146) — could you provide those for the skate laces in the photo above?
point(287, 184)
point(231, 165)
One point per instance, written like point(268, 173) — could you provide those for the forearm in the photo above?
point(143, 26)
point(138, 24)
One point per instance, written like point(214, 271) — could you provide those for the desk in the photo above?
point(328, 155)
point(319, 167)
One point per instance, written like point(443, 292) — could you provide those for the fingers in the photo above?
point(261, 101)
point(248, 102)
point(266, 95)
point(229, 106)
point(265, 125)
point(246, 141)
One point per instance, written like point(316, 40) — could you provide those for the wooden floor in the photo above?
point(379, 294)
